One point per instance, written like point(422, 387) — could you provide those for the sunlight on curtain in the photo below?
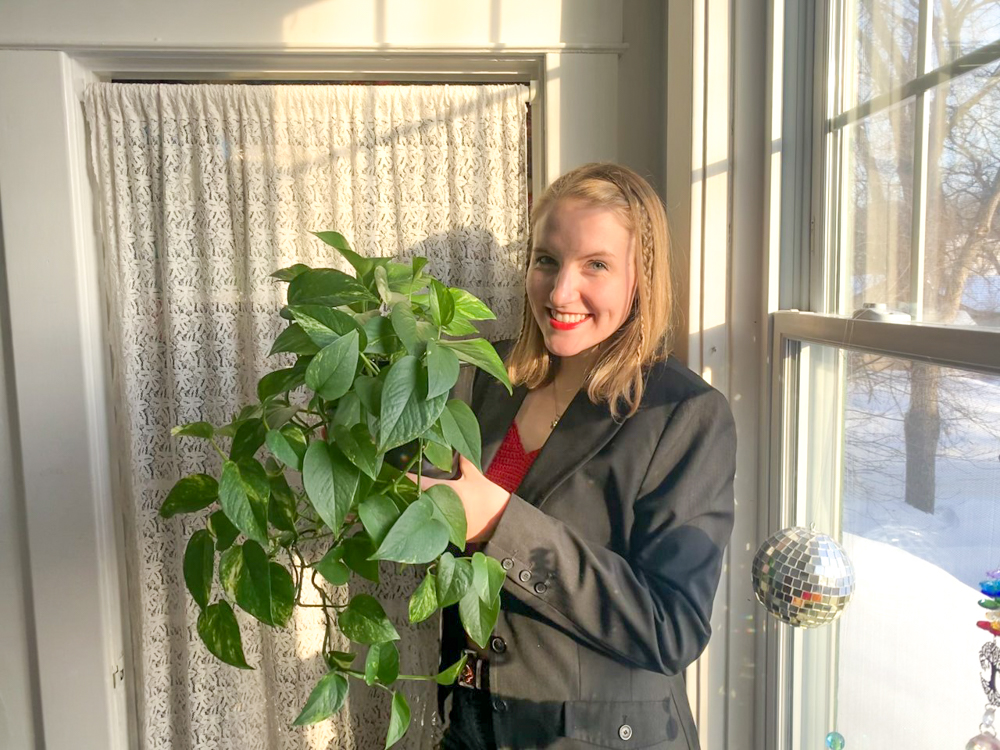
point(204, 191)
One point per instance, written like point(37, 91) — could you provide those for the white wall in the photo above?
point(18, 702)
point(602, 101)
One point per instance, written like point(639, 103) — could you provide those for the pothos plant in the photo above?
point(309, 495)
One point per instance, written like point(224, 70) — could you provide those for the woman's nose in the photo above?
point(565, 290)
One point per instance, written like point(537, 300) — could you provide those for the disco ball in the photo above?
point(803, 577)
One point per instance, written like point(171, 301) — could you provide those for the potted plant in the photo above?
point(314, 490)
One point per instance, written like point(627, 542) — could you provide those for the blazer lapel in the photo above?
point(582, 431)
point(495, 414)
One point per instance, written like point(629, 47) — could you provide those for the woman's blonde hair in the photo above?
point(617, 376)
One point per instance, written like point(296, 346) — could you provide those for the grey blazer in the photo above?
point(613, 546)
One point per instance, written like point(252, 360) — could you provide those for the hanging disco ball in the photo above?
point(803, 577)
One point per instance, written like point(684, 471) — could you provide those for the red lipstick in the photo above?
point(560, 326)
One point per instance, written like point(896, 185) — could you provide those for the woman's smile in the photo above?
point(566, 321)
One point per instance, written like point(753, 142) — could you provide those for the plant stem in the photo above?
point(218, 449)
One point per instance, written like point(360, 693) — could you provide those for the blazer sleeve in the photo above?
point(652, 607)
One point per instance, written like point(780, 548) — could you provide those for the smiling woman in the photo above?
point(607, 493)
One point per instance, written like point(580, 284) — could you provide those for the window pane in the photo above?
point(962, 267)
point(901, 458)
point(884, 54)
point(878, 209)
point(960, 27)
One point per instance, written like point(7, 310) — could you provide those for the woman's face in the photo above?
point(581, 278)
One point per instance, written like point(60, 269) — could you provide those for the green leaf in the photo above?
point(293, 340)
point(442, 369)
point(399, 719)
point(442, 303)
point(244, 492)
point(281, 509)
point(327, 286)
point(348, 410)
point(478, 617)
point(449, 504)
point(405, 325)
point(330, 481)
point(364, 621)
point(454, 577)
point(417, 537)
point(382, 284)
point(488, 576)
point(282, 381)
point(406, 413)
point(339, 243)
point(202, 430)
point(325, 700)
point(470, 307)
point(332, 567)
point(219, 631)
point(261, 588)
point(288, 445)
point(222, 529)
point(382, 664)
point(358, 551)
point(481, 353)
point(449, 675)
point(249, 437)
point(339, 659)
point(423, 602)
point(382, 339)
point(324, 325)
point(287, 274)
point(439, 455)
point(190, 494)
point(369, 390)
point(332, 371)
point(378, 513)
point(417, 264)
point(460, 428)
point(460, 327)
point(199, 566)
point(277, 414)
point(357, 445)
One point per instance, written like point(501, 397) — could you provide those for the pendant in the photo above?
point(554, 423)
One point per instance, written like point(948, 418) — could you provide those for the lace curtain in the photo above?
point(205, 190)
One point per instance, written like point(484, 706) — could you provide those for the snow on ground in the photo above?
point(908, 662)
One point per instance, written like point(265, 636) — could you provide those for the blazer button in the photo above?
point(498, 644)
point(625, 732)
point(507, 563)
point(499, 705)
point(540, 588)
point(524, 576)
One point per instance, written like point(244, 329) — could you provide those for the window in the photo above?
point(886, 397)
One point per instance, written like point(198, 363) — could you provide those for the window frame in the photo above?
point(810, 281)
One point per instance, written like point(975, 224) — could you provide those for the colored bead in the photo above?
point(983, 742)
point(988, 716)
point(835, 741)
point(989, 627)
point(990, 588)
point(989, 603)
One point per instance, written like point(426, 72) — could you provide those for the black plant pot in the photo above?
point(401, 457)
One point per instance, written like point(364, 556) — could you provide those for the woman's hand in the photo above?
point(484, 501)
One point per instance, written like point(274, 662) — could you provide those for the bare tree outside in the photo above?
point(960, 280)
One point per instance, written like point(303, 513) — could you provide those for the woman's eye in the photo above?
point(543, 260)
point(599, 265)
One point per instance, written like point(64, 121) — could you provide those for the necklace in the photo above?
point(555, 403)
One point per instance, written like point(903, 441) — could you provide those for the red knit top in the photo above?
point(511, 462)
